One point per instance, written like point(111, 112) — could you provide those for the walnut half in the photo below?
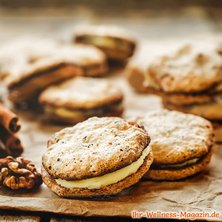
point(18, 173)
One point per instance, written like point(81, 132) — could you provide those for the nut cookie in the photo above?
point(181, 143)
point(190, 69)
point(104, 190)
point(100, 156)
point(79, 98)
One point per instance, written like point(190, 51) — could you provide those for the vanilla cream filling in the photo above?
point(186, 163)
point(107, 179)
point(107, 42)
point(66, 113)
point(179, 165)
point(63, 112)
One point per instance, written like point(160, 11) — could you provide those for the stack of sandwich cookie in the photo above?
point(181, 144)
point(100, 156)
point(34, 70)
point(79, 98)
point(190, 81)
point(116, 43)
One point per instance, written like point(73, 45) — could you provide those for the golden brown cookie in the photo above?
point(105, 190)
point(115, 42)
point(181, 143)
point(79, 98)
point(190, 69)
point(100, 156)
point(40, 64)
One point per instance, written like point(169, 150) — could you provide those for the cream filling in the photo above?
point(66, 113)
point(106, 42)
point(63, 112)
point(179, 165)
point(107, 179)
point(186, 163)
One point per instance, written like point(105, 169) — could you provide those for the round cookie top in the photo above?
point(82, 93)
point(22, 59)
point(105, 31)
point(177, 137)
point(190, 69)
point(93, 148)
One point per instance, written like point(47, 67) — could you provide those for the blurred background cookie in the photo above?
point(100, 156)
point(191, 69)
point(182, 144)
point(30, 67)
point(190, 80)
point(79, 98)
point(115, 42)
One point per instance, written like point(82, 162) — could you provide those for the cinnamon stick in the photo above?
point(12, 144)
point(9, 120)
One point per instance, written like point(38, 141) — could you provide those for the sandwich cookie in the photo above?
point(41, 64)
point(79, 98)
point(115, 42)
point(181, 144)
point(190, 81)
point(100, 156)
point(189, 70)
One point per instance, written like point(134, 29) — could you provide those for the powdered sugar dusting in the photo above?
point(94, 147)
point(23, 58)
point(83, 92)
point(177, 137)
point(188, 69)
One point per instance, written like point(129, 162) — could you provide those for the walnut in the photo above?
point(18, 173)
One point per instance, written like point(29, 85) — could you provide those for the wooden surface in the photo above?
point(148, 24)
